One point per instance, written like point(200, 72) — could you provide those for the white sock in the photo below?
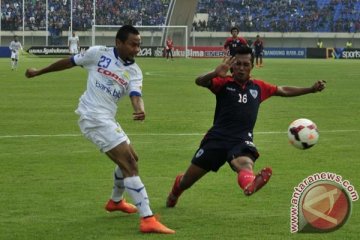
point(137, 191)
point(119, 188)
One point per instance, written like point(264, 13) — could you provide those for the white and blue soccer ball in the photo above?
point(303, 133)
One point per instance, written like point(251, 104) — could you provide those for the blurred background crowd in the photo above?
point(109, 12)
point(250, 15)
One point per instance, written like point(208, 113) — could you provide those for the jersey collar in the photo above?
point(243, 85)
point(127, 62)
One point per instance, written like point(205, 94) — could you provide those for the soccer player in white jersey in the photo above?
point(15, 47)
point(112, 74)
point(74, 44)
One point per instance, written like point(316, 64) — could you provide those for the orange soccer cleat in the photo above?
point(122, 206)
point(152, 225)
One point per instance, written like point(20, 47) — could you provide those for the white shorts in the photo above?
point(74, 50)
point(14, 55)
point(104, 133)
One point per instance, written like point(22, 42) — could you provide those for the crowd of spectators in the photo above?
point(249, 15)
point(135, 12)
point(282, 15)
point(108, 12)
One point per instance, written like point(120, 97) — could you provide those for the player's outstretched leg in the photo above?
point(261, 179)
point(175, 192)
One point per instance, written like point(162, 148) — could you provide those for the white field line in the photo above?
point(157, 134)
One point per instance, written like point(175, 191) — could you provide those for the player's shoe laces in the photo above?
point(152, 225)
point(172, 197)
point(122, 206)
point(260, 180)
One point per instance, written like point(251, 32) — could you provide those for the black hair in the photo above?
point(244, 49)
point(234, 28)
point(124, 31)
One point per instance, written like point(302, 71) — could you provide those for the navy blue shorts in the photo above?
point(212, 154)
point(258, 54)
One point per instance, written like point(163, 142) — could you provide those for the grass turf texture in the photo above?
point(54, 185)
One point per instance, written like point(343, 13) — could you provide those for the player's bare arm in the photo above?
point(56, 66)
point(287, 91)
point(220, 71)
point(138, 106)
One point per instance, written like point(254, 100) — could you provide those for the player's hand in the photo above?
point(319, 86)
point(31, 72)
point(140, 116)
point(224, 67)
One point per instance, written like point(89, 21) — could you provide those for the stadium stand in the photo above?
point(250, 15)
point(113, 12)
point(281, 16)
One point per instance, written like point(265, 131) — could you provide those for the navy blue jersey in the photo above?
point(258, 46)
point(237, 108)
point(233, 43)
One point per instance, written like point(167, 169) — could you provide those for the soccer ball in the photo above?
point(303, 133)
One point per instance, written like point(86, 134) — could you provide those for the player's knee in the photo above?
point(243, 162)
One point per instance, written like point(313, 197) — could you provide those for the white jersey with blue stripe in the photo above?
point(109, 79)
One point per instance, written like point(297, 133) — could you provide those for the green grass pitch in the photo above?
point(54, 183)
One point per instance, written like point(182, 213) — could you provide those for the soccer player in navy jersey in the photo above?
point(233, 42)
point(230, 139)
point(259, 51)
